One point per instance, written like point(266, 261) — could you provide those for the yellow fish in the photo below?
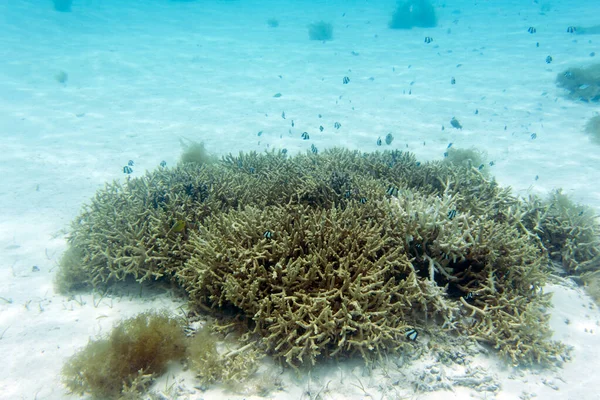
point(179, 226)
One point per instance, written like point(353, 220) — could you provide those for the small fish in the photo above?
point(455, 124)
point(259, 133)
point(363, 200)
point(389, 138)
point(277, 95)
point(481, 167)
point(178, 227)
point(469, 296)
point(531, 30)
point(571, 29)
point(293, 123)
point(449, 145)
point(337, 125)
point(283, 114)
point(130, 163)
point(346, 80)
point(251, 170)
point(453, 81)
point(379, 141)
point(305, 136)
point(347, 194)
point(418, 163)
point(321, 128)
point(537, 177)
point(492, 163)
point(476, 111)
point(584, 86)
point(548, 59)
point(445, 154)
point(392, 190)
point(428, 39)
point(163, 163)
point(284, 151)
point(314, 149)
point(127, 169)
point(412, 334)
point(268, 235)
point(533, 136)
point(451, 214)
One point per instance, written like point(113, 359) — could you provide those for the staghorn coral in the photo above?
point(569, 232)
point(328, 281)
point(340, 253)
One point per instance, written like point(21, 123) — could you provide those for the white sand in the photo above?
point(141, 75)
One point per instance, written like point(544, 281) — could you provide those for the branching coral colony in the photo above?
point(341, 253)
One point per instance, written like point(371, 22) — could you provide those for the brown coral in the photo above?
point(340, 253)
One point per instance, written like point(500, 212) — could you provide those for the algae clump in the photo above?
point(195, 153)
point(136, 350)
point(72, 274)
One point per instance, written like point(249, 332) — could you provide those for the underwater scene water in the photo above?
point(243, 199)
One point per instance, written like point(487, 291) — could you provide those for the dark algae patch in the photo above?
point(136, 350)
point(581, 84)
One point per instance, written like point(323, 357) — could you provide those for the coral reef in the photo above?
point(341, 253)
point(413, 14)
point(581, 83)
point(320, 31)
point(124, 363)
point(568, 231)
